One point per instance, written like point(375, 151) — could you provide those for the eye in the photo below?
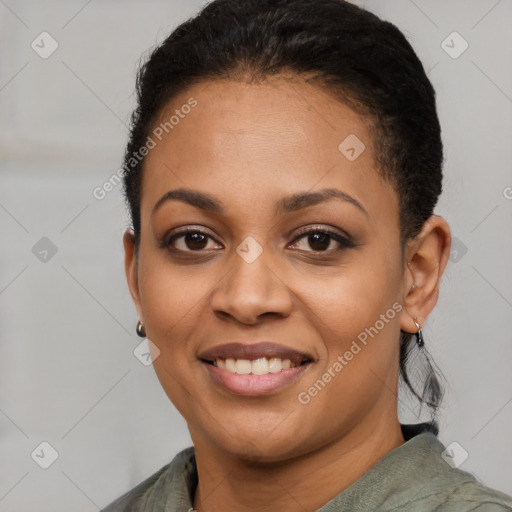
point(320, 240)
point(188, 240)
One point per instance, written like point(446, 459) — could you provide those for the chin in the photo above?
point(258, 447)
point(258, 454)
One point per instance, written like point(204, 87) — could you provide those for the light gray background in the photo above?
point(68, 373)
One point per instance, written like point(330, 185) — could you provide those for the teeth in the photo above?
point(243, 366)
point(275, 365)
point(230, 365)
point(261, 366)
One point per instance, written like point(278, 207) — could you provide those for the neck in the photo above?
point(227, 482)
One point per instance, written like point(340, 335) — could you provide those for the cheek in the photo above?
point(356, 313)
point(171, 296)
point(358, 321)
point(356, 297)
point(172, 299)
point(171, 303)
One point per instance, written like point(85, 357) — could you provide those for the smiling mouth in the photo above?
point(259, 366)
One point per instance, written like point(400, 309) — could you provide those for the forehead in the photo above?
point(282, 115)
point(246, 141)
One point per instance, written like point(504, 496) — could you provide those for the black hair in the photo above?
point(362, 60)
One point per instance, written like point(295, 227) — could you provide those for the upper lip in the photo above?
point(254, 351)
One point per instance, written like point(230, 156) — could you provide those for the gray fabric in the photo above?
point(412, 477)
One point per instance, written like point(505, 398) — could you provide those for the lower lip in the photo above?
point(255, 385)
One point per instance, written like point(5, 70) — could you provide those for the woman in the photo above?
point(283, 166)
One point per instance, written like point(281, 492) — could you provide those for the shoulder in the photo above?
point(464, 492)
point(455, 492)
point(155, 489)
point(450, 489)
point(472, 496)
point(423, 478)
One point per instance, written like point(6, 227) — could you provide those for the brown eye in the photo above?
point(195, 241)
point(320, 240)
point(189, 241)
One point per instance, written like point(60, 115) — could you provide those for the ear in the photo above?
point(131, 269)
point(426, 257)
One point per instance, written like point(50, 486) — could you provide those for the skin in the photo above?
point(249, 145)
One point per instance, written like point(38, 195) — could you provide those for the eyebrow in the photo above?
point(292, 203)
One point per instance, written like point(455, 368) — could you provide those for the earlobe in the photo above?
point(427, 256)
point(131, 268)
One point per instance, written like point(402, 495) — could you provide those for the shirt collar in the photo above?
point(393, 475)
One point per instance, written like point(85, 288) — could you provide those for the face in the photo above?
point(282, 245)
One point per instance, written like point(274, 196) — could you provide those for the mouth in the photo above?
point(257, 359)
point(259, 366)
point(256, 369)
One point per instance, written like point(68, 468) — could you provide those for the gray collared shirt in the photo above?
point(413, 477)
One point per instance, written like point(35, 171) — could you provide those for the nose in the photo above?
point(250, 290)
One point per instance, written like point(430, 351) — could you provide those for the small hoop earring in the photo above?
point(140, 329)
point(419, 335)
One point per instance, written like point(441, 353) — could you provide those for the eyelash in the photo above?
point(344, 241)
